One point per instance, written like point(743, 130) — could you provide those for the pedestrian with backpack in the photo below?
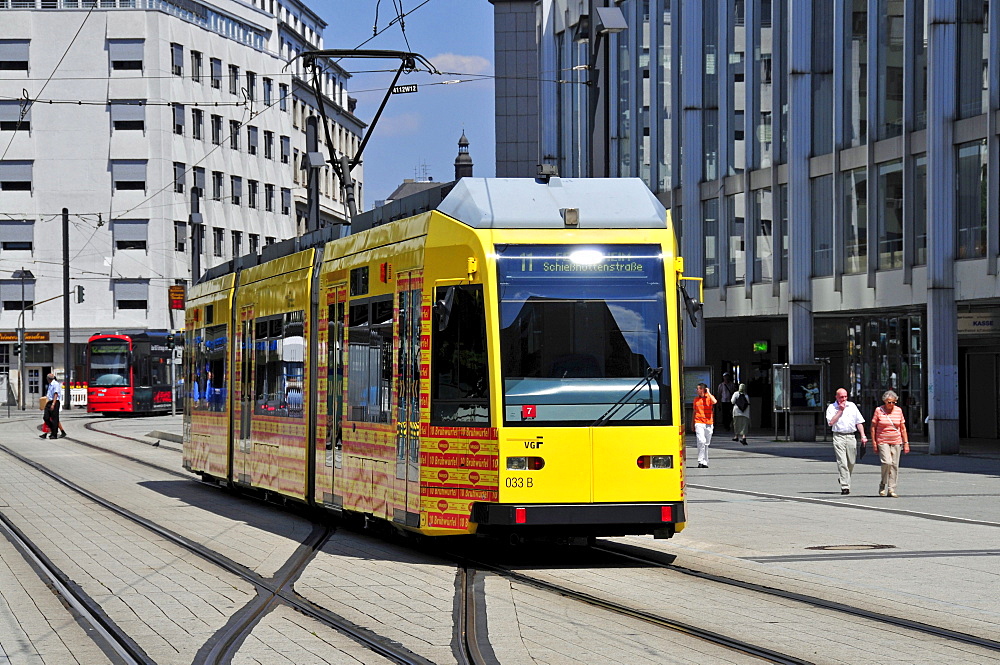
point(741, 414)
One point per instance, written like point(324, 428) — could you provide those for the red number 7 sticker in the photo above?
point(527, 411)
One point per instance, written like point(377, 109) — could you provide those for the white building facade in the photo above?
point(123, 112)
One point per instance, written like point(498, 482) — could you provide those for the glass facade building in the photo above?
point(834, 172)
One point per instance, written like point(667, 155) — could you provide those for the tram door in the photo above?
point(408, 301)
point(331, 454)
point(244, 400)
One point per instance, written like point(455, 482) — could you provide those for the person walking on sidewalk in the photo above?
point(52, 405)
point(704, 423)
point(725, 392)
point(888, 436)
point(845, 418)
point(741, 414)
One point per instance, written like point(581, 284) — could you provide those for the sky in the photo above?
point(417, 135)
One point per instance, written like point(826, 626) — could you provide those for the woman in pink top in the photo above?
point(888, 436)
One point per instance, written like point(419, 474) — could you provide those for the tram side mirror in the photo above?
point(443, 308)
point(692, 306)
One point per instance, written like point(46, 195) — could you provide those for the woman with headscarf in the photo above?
point(741, 414)
point(889, 437)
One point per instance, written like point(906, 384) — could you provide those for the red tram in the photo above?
point(129, 372)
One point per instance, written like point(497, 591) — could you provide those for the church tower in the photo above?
point(463, 163)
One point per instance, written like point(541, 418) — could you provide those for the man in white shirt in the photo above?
point(52, 407)
point(845, 418)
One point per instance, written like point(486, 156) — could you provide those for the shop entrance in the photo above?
point(980, 416)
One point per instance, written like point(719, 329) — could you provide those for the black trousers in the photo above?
point(51, 417)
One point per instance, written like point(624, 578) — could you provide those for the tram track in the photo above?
point(621, 609)
point(270, 592)
point(638, 555)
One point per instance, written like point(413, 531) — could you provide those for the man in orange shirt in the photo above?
point(704, 424)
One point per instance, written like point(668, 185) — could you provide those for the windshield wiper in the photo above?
point(647, 380)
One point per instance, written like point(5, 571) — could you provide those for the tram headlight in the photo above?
point(525, 463)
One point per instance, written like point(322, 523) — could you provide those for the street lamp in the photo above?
point(22, 275)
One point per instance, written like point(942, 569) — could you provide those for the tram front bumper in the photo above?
point(582, 518)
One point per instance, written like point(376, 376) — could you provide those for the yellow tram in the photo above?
point(506, 363)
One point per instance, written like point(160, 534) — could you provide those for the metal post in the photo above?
point(66, 342)
point(20, 344)
point(173, 385)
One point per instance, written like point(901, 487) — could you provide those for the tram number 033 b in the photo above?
point(520, 482)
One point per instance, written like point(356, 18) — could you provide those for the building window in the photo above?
point(197, 124)
point(251, 86)
point(196, 66)
point(822, 78)
point(283, 97)
point(268, 91)
point(216, 66)
point(237, 243)
point(763, 263)
point(177, 59)
point(15, 116)
point(286, 149)
point(251, 140)
point(890, 215)
point(199, 181)
point(180, 236)
point(216, 129)
point(125, 54)
point(178, 119)
point(179, 170)
point(710, 215)
point(11, 294)
point(269, 198)
point(17, 235)
point(130, 233)
point(128, 114)
point(736, 211)
point(252, 188)
point(14, 55)
point(973, 58)
point(234, 80)
point(735, 83)
point(920, 210)
point(286, 201)
point(15, 176)
point(890, 69)
point(128, 174)
point(254, 243)
point(821, 211)
point(236, 186)
point(131, 293)
point(268, 144)
point(218, 238)
point(270, 240)
point(972, 200)
point(920, 29)
point(234, 134)
point(217, 186)
point(855, 221)
point(856, 72)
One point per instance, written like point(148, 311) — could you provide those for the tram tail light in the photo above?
point(666, 513)
point(525, 463)
point(655, 462)
point(520, 515)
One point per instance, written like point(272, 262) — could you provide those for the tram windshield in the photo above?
point(583, 334)
point(109, 363)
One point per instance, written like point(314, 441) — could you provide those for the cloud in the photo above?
point(461, 64)
point(405, 124)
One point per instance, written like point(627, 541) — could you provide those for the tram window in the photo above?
point(460, 386)
point(369, 357)
point(208, 374)
point(335, 383)
point(280, 366)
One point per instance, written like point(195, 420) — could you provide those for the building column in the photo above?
point(942, 210)
point(693, 237)
point(800, 317)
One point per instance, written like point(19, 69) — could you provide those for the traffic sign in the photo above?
point(400, 89)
